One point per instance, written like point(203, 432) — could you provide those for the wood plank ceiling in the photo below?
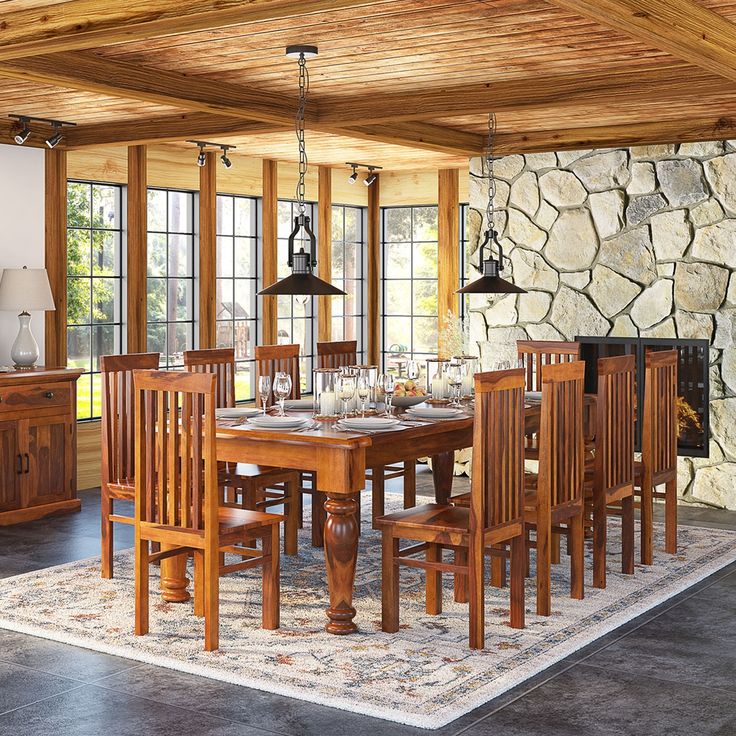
point(405, 84)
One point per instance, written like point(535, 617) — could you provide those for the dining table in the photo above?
point(339, 459)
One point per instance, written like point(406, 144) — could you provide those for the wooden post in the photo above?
point(208, 251)
point(137, 248)
point(448, 261)
point(270, 248)
point(56, 257)
point(324, 252)
point(374, 270)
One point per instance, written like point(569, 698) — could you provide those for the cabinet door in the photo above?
point(10, 466)
point(47, 460)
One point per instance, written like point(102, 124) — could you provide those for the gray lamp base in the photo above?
point(25, 348)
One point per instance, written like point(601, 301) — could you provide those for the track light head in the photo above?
point(22, 136)
point(370, 179)
point(226, 162)
point(54, 140)
point(201, 158)
point(354, 176)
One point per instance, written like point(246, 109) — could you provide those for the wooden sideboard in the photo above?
point(38, 444)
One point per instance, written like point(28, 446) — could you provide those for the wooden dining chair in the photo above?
point(612, 479)
point(337, 354)
point(177, 500)
point(117, 480)
point(495, 517)
point(244, 485)
point(554, 499)
point(273, 359)
point(658, 465)
point(534, 354)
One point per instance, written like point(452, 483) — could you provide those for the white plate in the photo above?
point(432, 412)
point(237, 412)
point(277, 421)
point(299, 403)
point(533, 395)
point(369, 422)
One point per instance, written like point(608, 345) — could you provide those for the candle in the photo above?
point(437, 387)
point(327, 403)
point(467, 387)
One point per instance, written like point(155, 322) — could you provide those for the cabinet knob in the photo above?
point(49, 394)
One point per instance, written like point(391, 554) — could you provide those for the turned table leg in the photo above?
point(341, 554)
point(174, 581)
point(442, 467)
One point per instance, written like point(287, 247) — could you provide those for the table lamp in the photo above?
point(27, 289)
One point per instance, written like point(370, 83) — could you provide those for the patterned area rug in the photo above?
point(423, 676)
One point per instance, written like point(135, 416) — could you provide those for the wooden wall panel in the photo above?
point(324, 252)
point(89, 455)
point(270, 226)
point(137, 248)
point(208, 251)
point(448, 230)
point(374, 270)
point(56, 257)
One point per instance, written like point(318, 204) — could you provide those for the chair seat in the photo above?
point(232, 519)
point(430, 516)
point(123, 489)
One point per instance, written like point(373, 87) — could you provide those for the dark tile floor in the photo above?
point(671, 672)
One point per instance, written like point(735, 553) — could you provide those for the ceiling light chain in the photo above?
point(299, 124)
point(488, 172)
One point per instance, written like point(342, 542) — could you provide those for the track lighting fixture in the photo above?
point(203, 145)
point(25, 131)
point(226, 162)
point(369, 179)
point(201, 158)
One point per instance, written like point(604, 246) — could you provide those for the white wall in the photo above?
point(21, 229)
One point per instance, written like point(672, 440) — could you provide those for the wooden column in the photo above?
point(269, 305)
point(374, 271)
point(324, 252)
point(137, 248)
point(55, 256)
point(208, 251)
point(448, 227)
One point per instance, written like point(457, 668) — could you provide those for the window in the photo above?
point(237, 285)
point(409, 284)
point(467, 272)
point(295, 313)
point(94, 285)
point(170, 274)
point(348, 254)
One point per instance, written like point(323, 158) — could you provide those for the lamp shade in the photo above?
point(25, 289)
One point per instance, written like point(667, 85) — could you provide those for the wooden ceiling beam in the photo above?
point(85, 24)
point(684, 28)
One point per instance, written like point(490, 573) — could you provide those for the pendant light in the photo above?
point(490, 282)
point(302, 262)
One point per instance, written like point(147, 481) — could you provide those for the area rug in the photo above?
point(423, 676)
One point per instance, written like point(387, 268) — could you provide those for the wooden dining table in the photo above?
point(339, 459)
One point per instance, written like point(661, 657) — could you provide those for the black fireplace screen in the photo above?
point(692, 382)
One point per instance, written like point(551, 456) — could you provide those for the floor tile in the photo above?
point(21, 685)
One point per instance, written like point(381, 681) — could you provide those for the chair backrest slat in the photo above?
point(498, 456)
point(176, 482)
point(337, 354)
point(537, 353)
point(659, 420)
point(561, 459)
point(271, 359)
point(118, 413)
point(221, 362)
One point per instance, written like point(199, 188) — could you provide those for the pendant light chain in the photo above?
point(300, 113)
point(488, 165)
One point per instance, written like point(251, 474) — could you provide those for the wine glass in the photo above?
point(264, 389)
point(345, 391)
point(412, 370)
point(364, 391)
point(282, 389)
point(388, 384)
point(455, 379)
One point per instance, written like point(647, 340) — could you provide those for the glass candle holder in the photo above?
point(371, 373)
point(471, 366)
point(326, 404)
point(354, 403)
point(437, 379)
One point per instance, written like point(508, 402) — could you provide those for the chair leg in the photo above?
point(211, 600)
point(461, 579)
point(390, 582)
point(670, 517)
point(271, 580)
point(291, 525)
point(141, 586)
point(199, 583)
point(544, 574)
point(107, 539)
point(518, 568)
point(577, 555)
point(600, 531)
point(434, 581)
point(555, 548)
point(319, 516)
point(410, 484)
point(378, 484)
point(627, 535)
point(528, 549)
point(647, 514)
point(498, 569)
point(476, 609)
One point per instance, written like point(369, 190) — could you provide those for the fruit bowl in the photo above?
point(404, 401)
point(408, 393)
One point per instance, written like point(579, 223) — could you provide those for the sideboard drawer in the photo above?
point(38, 396)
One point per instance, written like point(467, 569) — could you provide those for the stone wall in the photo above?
point(628, 242)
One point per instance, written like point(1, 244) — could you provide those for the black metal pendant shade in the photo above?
point(490, 282)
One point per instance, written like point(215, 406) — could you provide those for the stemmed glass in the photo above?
point(455, 379)
point(388, 384)
point(264, 390)
point(345, 391)
point(412, 370)
point(282, 389)
point(364, 391)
